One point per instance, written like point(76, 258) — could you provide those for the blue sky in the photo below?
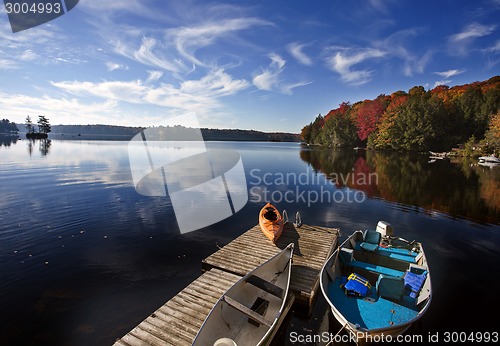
point(263, 65)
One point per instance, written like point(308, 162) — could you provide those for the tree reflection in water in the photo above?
point(43, 146)
point(459, 188)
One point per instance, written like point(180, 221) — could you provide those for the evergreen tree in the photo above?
point(43, 124)
point(29, 125)
point(7, 127)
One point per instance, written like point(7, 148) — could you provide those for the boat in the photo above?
point(490, 159)
point(271, 222)
point(490, 165)
point(377, 284)
point(248, 312)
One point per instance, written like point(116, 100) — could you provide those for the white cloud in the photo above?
point(473, 30)
point(6, 64)
point(442, 82)
point(495, 48)
point(107, 8)
point(345, 58)
point(461, 43)
point(379, 5)
point(189, 39)
point(395, 46)
point(449, 73)
point(112, 66)
point(191, 95)
point(154, 76)
point(58, 110)
point(270, 80)
point(295, 49)
point(28, 55)
point(147, 56)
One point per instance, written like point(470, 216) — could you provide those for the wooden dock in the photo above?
point(177, 322)
point(312, 246)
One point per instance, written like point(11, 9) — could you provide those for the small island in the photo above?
point(43, 128)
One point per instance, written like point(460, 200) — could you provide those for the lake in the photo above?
point(84, 257)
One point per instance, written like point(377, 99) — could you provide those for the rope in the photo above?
point(332, 339)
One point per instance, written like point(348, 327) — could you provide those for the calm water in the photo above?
point(84, 257)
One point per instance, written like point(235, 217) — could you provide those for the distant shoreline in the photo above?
point(111, 132)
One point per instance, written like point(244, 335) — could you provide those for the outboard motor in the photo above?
point(385, 229)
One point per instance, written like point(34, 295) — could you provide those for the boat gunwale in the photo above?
point(290, 248)
point(352, 327)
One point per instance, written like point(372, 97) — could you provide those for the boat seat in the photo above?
point(246, 310)
point(394, 253)
point(377, 269)
point(390, 287)
point(265, 286)
point(371, 239)
point(399, 254)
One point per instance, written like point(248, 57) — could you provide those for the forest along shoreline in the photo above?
point(465, 118)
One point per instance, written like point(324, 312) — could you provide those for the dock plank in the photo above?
point(313, 245)
point(177, 321)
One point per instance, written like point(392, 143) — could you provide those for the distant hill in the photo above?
point(110, 132)
point(8, 128)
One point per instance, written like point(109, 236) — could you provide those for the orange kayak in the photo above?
point(271, 222)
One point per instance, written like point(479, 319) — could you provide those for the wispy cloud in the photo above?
point(380, 5)
point(295, 49)
point(449, 73)
point(153, 76)
point(494, 48)
point(188, 39)
point(112, 66)
point(147, 55)
point(442, 82)
point(472, 31)
point(343, 60)
point(7, 64)
point(396, 45)
point(462, 42)
point(107, 8)
point(270, 80)
point(191, 95)
point(60, 110)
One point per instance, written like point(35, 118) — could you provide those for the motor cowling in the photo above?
point(385, 229)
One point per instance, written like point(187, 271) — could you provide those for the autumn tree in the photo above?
point(367, 116)
point(339, 129)
point(420, 120)
point(492, 136)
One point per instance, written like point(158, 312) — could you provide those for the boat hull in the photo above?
point(365, 318)
point(248, 312)
point(271, 222)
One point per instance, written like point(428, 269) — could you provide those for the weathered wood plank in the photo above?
point(313, 245)
point(178, 320)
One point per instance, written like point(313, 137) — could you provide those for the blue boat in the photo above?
point(377, 285)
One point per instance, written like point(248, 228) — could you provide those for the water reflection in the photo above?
point(7, 141)
point(459, 188)
point(43, 146)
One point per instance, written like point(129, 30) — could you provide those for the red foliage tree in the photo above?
point(368, 116)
